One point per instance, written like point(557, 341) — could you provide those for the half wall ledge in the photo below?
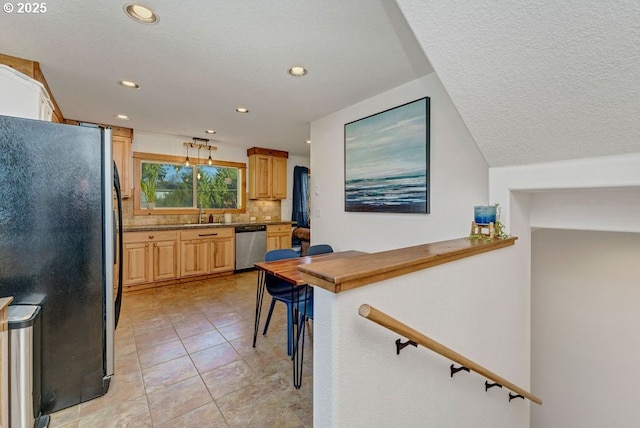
point(344, 274)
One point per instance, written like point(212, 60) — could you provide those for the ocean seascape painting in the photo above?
point(387, 160)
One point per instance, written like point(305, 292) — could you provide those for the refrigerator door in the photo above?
point(52, 250)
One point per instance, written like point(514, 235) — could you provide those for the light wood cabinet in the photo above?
point(223, 257)
point(278, 236)
point(149, 257)
point(193, 256)
point(206, 251)
point(279, 177)
point(267, 173)
point(156, 256)
point(135, 263)
point(122, 158)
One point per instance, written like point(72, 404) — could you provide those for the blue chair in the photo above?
point(319, 249)
point(280, 291)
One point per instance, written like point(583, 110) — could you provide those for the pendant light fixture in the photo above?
point(198, 143)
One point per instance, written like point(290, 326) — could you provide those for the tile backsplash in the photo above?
point(255, 208)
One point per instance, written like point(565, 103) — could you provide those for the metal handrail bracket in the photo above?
point(379, 317)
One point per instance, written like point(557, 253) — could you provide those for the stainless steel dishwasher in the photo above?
point(251, 244)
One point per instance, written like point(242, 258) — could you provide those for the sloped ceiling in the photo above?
point(537, 81)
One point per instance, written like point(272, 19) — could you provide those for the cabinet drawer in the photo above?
point(155, 235)
point(278, 228)
point(207, 233)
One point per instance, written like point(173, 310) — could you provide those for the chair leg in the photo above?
point(290, 321)
point(301, 320)
point(290, 327)
point(266, 325)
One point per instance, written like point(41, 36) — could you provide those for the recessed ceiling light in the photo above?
point(140, 13)
point(128, 84)
point(210, 131)
point(242, 110)
point(308, 141)
point(297, 71)
point(121, 116)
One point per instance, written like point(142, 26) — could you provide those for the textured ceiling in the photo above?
point(537, 81)
point(205, 58)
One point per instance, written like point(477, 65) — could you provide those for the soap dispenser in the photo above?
point(210, 218)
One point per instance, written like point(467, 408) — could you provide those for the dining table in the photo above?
point(287, 270)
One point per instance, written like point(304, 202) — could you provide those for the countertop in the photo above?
point(156, 227)
point(341, 275)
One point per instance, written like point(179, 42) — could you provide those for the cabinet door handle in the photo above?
point(151, 236)
point(146, 245)
point(208, 234)
point(155, 245)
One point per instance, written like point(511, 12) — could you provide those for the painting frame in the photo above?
point(387, 160)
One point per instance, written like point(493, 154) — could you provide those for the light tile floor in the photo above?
point(184, 359)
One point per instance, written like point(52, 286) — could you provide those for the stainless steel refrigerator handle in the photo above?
point(120, 250)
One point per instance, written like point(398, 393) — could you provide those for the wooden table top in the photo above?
point(287, 269)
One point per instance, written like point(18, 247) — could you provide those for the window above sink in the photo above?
point(174, 188)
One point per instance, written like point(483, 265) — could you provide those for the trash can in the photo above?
point(25, 367)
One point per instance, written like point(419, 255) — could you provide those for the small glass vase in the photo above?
point(484, 214)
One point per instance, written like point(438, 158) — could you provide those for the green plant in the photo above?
point(148, 188)
point(149, 181)
point(500, 231)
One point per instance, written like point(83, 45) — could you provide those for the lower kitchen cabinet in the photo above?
point(149, 257)
point(206, 251)
point(193, 256)
point(278, 236)
point(157, 256)
point(223, 258)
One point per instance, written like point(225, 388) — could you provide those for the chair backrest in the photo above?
point(319, 249)
point(276, 285)
point(283, 253)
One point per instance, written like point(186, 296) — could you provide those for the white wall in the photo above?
point(615, 209)
point(473, 305)
point(458, 177)
point(585, 317)
point(608, 174)
point(597, 194)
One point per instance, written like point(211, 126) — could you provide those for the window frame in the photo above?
point(139, 157)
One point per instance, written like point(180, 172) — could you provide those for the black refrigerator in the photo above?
point(59, 217)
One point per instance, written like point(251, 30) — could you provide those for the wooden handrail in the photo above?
point(393, 324)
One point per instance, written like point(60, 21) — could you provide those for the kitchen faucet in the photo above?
point(200, 213)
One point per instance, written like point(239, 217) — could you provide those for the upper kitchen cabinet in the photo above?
point(32, 70)
point(122, 157)
point(122, 139)
point(267, 173)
